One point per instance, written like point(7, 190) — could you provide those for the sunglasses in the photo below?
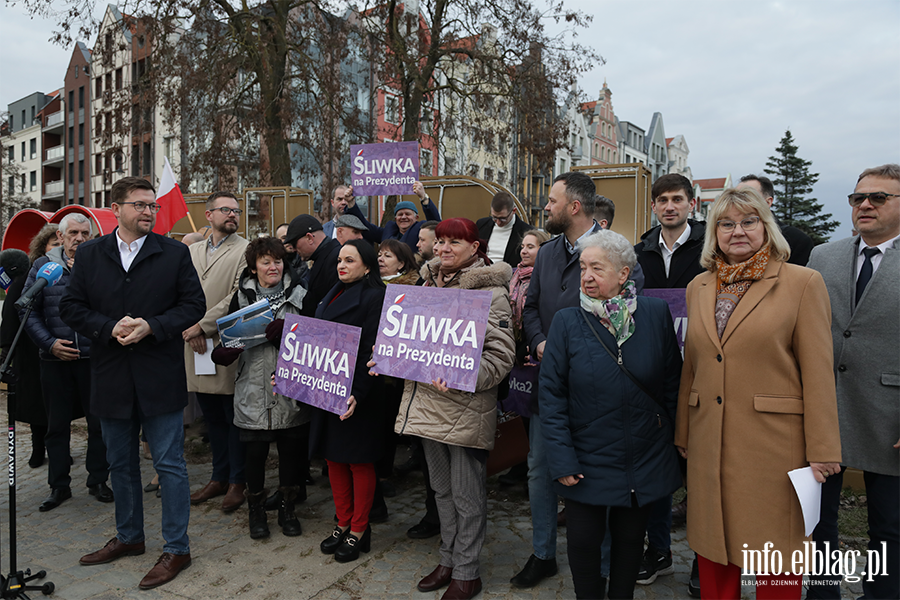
point(875, 198)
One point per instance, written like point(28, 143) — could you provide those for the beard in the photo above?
point(557, 225)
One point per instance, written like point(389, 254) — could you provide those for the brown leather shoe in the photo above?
point(234, 498)
point(462, 590)
point(436, 580)
point(111, 551)
point(166, 569)
point(210, 490)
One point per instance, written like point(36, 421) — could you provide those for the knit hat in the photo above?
point(406, 204)
point(300, 226)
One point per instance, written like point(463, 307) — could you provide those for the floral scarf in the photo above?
point(518, 288)
point(733, 281)
point(617, 313)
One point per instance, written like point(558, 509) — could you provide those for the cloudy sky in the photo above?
point(731, 76)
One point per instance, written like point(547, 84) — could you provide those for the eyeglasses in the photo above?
point(227, 211)
point(874, 198)
point(502, 220)
point(748, 224)
point(142, 206)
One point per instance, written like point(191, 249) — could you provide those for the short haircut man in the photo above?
point(862, 274)
point(604, 211)
point(503, 230)
point(306, 235)
point(219, 261)
point(65, 371)
point(425, 245)
point(800, 243)
point(133, 293)
point(348, 227)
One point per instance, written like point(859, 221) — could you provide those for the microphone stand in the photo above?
point(14, 584)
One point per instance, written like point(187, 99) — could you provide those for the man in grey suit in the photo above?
point(863, 278)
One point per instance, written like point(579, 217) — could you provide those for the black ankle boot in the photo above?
point(290, 524)
point(349, 550)
point(274, 501)
point(38, 450)
point(259, 526)
point(330, 544)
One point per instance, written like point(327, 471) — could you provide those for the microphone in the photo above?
point(48, 275)
point(13, 263)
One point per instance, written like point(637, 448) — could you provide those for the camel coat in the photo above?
point(219, 277)
point(753, 406)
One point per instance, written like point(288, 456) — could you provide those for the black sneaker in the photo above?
point(653, 565)
point(694, 582)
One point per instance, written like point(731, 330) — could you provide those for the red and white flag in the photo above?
point(172, 205)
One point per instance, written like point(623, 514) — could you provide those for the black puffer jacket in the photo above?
point(45, 326)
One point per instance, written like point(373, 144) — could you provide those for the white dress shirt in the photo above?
point(876, 260)
point(666, 253)
point(128, 252)
point(499, 239)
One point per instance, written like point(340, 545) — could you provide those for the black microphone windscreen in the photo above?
point(15, 263)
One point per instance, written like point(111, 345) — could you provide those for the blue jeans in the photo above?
point(165, 434)
point(541, 495)
point(224, 439)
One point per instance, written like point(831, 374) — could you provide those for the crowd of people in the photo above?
point(789, 360)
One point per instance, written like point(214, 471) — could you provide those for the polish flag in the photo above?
point(172, 205)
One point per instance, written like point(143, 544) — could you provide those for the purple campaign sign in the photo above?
point(427, 332)
point(384, 169)
point(316, 362)
point(676, 298)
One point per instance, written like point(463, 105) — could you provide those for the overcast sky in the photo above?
point(729, 76)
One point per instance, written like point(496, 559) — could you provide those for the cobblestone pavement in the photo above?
point(228, 564)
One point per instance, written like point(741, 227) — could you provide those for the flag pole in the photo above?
point(191, 221)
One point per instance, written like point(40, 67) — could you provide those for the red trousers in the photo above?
point(723, 582)
point(353, 488)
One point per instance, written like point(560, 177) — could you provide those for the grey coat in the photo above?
point(866, 354)
point(256, 405)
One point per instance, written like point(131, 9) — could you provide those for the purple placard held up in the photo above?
point(316, 362)
point(676, 298)
point(427, 332)
point(384, 169)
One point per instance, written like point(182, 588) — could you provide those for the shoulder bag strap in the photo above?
point(619, 362)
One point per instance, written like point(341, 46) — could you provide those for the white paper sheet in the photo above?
point(809, 493)
point(203, 364)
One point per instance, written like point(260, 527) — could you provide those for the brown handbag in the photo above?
point(510, 443)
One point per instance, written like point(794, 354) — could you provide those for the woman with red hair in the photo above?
point(457, 428)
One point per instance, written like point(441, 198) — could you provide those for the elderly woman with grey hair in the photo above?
point(610, 447)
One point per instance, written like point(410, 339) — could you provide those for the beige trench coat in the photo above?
point(219, 278)
point(753, 406)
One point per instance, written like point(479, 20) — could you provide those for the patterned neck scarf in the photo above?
point(617, 313)
point(518, 288)
point(733, 281)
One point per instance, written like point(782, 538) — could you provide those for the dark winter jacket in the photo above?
point(322, 276)
point(596, 422)
point(685, 260)
point(45, 326)
point(360, 438)
point(391, 231)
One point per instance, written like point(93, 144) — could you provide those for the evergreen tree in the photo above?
point(793, 182)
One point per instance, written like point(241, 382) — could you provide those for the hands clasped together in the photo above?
point(130, 331)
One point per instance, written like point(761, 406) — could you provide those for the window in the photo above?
point(427, 121)
point(488, 174)
point(23, 152)
point(12, 154)
point(71, 101)
point(501, 177)
point(425, 164)
point(24, 124)
point(11, 185)
point(71, 137)
point(23, 183)
point(81, 97)
point(98, 87)
point(81, 134)
point(33, 181)
point(135, 161)
point(80, 171)
point(119, 160)
point(98, 164)
point(98, 199)
point(71, 170)
point(147, 155)
point(33, 148)
point(98, 126)
point(76, 71)
point(391, 109)
point(12, 122)
point(119, 78)
point(33, 115)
